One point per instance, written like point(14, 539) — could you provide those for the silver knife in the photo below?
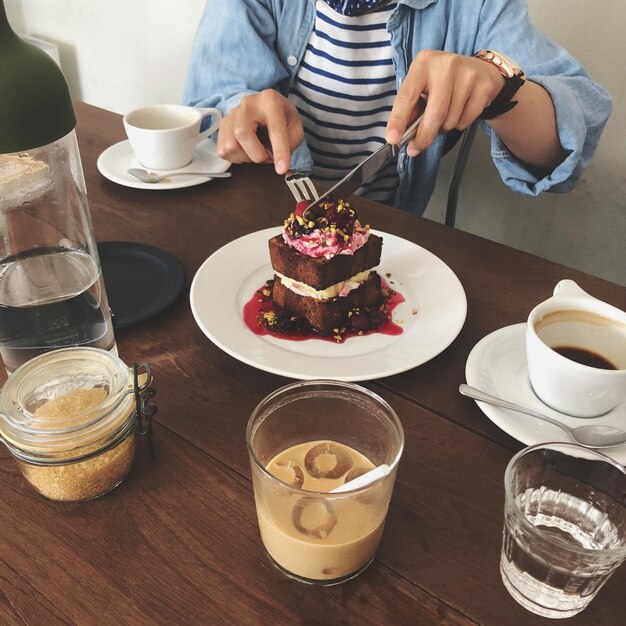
point(368, 167)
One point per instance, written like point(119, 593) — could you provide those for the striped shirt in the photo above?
point(344, 91)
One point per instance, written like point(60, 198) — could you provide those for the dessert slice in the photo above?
point(323, 264)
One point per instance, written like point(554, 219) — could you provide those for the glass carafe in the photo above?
point(51, 288)
point(52, 293)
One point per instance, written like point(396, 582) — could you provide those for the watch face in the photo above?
point(507, 67)
point(510, 65)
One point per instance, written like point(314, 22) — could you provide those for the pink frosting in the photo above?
point(320, 243)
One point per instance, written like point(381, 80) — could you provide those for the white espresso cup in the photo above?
point(165, 136)
point(576, 352)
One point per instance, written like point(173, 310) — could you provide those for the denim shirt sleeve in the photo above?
point(582, 106)
point(233, 54)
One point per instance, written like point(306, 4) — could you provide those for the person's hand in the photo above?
point(454, 90)
point(238, 141)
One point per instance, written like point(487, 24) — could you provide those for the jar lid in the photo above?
point(65, 399)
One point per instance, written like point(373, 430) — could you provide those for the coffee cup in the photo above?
point(576, 352)
point(165, 136)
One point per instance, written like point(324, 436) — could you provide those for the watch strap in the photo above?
point(503, 102)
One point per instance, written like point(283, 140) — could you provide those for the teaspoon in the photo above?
point(588, 436)
point(152, 177)
point(364, 479)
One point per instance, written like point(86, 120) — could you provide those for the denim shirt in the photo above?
point(245, 46)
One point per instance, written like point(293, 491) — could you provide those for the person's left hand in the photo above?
point(455, 89)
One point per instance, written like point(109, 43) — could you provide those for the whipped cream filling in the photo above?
point(340, 289)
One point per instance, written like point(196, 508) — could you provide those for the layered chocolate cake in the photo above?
point(324, 264)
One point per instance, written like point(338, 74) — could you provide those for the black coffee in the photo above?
point(585, 357)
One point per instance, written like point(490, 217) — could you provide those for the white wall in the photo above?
point(118, 54)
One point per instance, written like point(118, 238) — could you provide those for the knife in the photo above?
point(368, 167)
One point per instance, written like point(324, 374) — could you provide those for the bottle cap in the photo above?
point(35, 103)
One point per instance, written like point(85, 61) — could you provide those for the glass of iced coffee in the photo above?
point(306, 440)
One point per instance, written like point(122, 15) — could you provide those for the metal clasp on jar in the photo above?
point(144, 411)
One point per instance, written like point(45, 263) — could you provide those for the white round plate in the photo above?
point(497, 365)
point(114, 162)
point(432, 314)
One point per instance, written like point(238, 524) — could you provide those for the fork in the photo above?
point(300, 185)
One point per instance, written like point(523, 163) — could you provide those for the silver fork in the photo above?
point(300, 185)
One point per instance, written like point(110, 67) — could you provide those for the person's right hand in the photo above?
point(238, 141)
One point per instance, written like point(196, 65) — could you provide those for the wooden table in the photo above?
point(178, 542)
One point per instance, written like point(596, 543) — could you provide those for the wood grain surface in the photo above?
point(178, 541)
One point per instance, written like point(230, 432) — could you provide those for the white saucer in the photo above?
point(497, 365)
point(114, 162)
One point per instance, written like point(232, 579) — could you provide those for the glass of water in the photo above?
point(564, 527)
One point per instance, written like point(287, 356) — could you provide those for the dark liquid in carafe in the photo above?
point(51, 298)
point(585, 357)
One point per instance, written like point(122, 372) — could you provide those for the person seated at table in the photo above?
point(332, 80)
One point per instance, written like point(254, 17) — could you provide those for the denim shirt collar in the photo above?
point(417, 4)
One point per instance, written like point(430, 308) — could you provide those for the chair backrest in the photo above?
point(467, 138)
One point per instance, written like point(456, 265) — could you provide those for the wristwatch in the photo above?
point(513, 76)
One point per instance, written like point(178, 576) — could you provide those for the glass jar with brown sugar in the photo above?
point(70, 418)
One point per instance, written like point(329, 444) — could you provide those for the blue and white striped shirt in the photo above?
point(344, 91)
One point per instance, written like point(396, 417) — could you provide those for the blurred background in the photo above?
point(120, 54)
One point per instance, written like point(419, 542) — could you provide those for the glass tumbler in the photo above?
point(564, 527)
point(305, 440)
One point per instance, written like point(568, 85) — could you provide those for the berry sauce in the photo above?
point(363, 321)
